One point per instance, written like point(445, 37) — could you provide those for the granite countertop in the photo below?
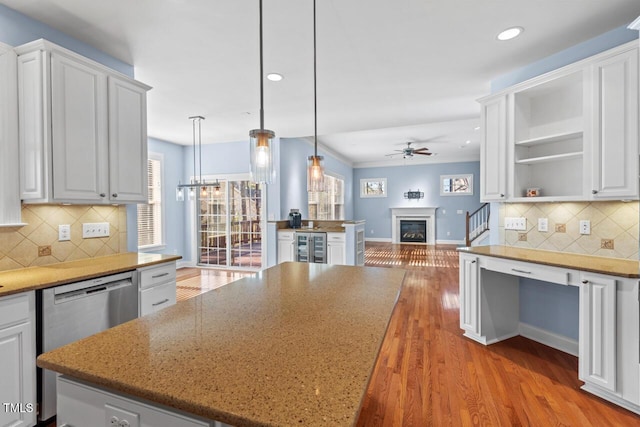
point(595, 264)
point(314, 229)
point(293, 345)
point(26, 279)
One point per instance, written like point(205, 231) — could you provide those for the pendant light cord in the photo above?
point(193, 126)
point(261, 74)
point(315, 97)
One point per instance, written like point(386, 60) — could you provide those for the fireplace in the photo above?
point(425, 216)
point(413, 230)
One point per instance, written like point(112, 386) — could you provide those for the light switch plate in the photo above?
point(95, 229)
point(515, 223)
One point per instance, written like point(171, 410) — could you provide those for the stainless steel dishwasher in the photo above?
point(77, 310)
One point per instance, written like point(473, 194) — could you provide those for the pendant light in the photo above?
point(261, 140)
point(315, 166)
point(196, 183)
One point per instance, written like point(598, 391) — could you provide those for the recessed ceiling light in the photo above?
point(468, 141)
point(274, 77)
point(510, 33)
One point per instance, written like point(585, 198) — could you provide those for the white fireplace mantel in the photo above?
point(428, 214)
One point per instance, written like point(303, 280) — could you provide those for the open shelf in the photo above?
point(551, 138)
point(551, 158)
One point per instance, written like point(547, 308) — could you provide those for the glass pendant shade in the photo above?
point(179, 194)
point(261, 144)
point(315, 173)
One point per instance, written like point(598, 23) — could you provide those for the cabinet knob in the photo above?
point(114, 195)
point(585, 281)
point(594, 191)
point(102, 195)
point(501, 195)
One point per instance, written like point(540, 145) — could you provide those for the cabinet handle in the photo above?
point(473, 262)
point(501, 195)
point(155, 304)
point(103, 195)
point(585, 281)
point(594, 191)
point(114, 195)
point(159, 275)
point(520, 271)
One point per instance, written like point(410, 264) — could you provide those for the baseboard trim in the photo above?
point(184, 264)
point(377, 239)
point(449, 242)
point(559, 342)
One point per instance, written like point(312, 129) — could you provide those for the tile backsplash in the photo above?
point(614, 227)
point(19, 245)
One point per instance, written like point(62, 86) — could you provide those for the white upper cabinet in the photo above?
point(83, 135)
point(493, 153)
point(571, 133)
point(615, 126)
point(10, 211)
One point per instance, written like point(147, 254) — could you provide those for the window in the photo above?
point(328, 205)
point(150, 215)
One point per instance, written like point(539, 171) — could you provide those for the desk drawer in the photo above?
point(527, 269)
point(335, 237)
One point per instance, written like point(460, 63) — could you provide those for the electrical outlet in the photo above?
point(606, 243)
point(514, 223)
point(91, 230)
point(64, 232)
point(585, 226)
point(459, 211)
point(543, 224)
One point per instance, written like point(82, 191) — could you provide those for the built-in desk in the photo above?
point(608, 347)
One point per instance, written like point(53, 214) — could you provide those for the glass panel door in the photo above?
point(230, 225)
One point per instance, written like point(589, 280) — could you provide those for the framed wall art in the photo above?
point(456, 185)
point(373, 187)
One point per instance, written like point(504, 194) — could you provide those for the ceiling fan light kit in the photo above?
point(409, 151)
point(261, 140)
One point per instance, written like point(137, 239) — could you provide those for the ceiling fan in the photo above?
point(409, 151)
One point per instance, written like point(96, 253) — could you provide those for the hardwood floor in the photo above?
point(428, 374)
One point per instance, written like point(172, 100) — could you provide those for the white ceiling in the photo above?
point(389, 71)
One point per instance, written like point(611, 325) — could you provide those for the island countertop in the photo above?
point(45, 276)
point(595, 264)
point(293, 345)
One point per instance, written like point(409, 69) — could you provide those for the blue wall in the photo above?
point(293, 180)
point(544, 305)
point(426, 178)
point(17, 29)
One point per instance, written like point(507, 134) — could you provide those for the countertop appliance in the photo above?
point(77, 310)
point(295, 218)
point(311, 247)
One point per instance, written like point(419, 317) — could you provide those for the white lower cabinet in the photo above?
point(82, 405)
point(286, 246)
point(597, 341)
point(469, 289)
point(157, 286)
point(336, 249)
point(18, 359)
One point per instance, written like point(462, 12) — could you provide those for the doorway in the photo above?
point(230, 224)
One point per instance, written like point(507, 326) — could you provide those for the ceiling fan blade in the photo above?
point(423, 149)
point(424, 154)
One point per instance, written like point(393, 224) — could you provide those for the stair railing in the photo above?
point(477, 223)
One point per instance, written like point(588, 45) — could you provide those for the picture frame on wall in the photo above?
point(456, 185)
point(373, 187)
